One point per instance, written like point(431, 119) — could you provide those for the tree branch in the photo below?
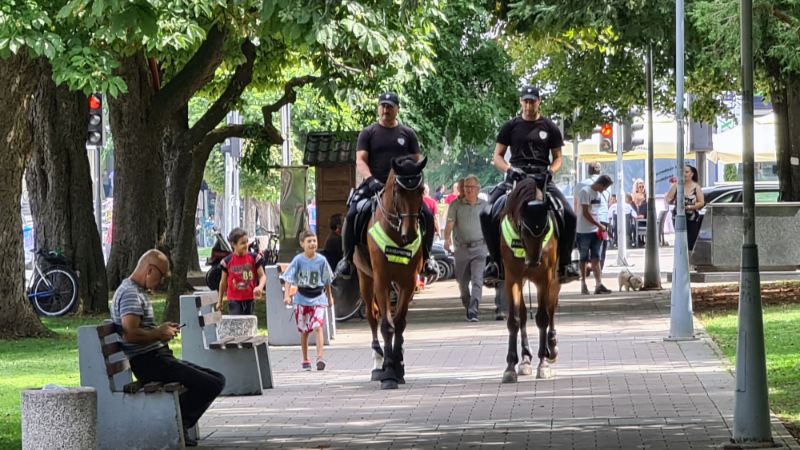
point(216, 113)
point(289, 96)
point(197, 72)
point(247, 131)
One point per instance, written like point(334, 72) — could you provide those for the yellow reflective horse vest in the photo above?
point(511, 236)
point(394, 253)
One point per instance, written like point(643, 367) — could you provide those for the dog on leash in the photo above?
point(629, 281)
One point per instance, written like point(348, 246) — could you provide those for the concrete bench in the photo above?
point(244, 360)
point(130, 414)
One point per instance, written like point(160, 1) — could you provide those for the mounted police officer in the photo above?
point(378, 145)
point(535, 144)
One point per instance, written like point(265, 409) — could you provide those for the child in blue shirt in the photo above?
point(312, 276)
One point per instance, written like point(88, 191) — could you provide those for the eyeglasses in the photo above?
point(162, 276)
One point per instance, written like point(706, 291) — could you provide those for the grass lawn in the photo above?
point(204, 253)
point(33, 363)
point(782, 341)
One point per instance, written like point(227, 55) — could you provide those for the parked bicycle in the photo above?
point(53, 289)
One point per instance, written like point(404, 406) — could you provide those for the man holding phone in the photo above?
point(146, 345)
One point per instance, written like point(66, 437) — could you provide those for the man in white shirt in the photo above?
point(590, 231)
point(594, 170)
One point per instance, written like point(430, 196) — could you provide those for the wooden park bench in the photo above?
point(130, 415)
point(244, 360)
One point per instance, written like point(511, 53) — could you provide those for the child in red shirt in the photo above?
point(239, 272)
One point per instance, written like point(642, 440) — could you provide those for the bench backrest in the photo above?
point(102, 355)
point(207, 316)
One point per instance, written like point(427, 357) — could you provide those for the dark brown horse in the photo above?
point(529, 247)
point(394, 244)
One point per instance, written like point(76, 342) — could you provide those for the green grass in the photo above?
point(782, 343)
point(204, 253)
point(33, 363)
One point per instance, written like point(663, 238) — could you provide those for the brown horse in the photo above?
point(529, 247)
point(394, 246)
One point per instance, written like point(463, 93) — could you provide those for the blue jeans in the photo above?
point(589, 246)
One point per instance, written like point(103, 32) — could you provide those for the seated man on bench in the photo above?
point(145, 344)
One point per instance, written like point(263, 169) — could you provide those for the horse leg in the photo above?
point(372, 317)
point(552, 339)
point(389, 377)
point(542, 322)
point(525, 367)
point(404, 300)
point(514, 295)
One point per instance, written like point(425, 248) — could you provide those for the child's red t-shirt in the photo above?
point(242, 275)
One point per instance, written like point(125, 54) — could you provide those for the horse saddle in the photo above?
point(535, 212)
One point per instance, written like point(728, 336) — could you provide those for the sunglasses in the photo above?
point(162, 276)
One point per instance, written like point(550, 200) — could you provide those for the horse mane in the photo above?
point(524, 191)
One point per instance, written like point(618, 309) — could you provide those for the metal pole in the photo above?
point(751, 413)
point(622, 221)
point(681, 320)
point(652, 269)
point(575, 140)
point(286, 125)
point(98, 196)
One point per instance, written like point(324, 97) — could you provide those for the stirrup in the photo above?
point(492, 275)
point(344, 269)
point(568, 274)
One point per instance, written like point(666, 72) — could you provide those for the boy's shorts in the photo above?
point(309, 317)
point(589, 246)
point(242, 307)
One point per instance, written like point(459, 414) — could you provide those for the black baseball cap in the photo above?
point(390, 98)
point(529, 93)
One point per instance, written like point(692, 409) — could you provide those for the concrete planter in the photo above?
point(59, 418)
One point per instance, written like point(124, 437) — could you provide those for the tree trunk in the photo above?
point(791, 134)
point(17, 83)
point(186, 248)
point(60, 188)
point(139, 219)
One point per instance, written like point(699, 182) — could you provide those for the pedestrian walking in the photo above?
point(594, 171)
point(240, 270)
point(312, 275)
point(591, 232)
point(464, 230)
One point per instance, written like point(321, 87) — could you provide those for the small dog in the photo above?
point(630, 281)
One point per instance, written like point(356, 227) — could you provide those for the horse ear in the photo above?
point(423, 163)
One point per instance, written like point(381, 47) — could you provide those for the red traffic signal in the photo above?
point(96, 136)
point(606, 130)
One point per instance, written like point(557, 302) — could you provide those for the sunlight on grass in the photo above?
point(782, 343)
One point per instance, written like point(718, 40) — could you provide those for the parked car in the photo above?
point(765, 192)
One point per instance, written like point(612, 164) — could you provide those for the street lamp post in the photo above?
point(751, 413)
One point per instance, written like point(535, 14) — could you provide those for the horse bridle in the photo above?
point(394, 218)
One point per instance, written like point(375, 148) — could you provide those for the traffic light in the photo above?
point(607, 138)
point(96, 135)
point(628, 141)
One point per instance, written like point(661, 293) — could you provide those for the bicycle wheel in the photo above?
point(56, 293)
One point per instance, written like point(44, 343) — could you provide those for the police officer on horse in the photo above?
point(533, 139)
point(378, 145)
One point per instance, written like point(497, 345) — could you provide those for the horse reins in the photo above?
point(395, 217)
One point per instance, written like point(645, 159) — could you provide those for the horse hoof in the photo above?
point(401, 380)
point(544, 373)
point(389, 384)
point(509, 376)
point(377, 375)
point(553, 355)
point(524, 369)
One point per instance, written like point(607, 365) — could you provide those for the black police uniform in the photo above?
point(382, 145)
point(530, 143)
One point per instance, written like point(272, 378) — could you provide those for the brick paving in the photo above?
point(616, 384)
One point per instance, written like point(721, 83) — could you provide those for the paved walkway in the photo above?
point(617, 384)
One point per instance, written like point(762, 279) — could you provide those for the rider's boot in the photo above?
point(493, 272)
point(567, 270)
point(429, 266)
point(344, 268)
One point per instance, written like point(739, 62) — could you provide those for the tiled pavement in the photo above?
point(617, 384)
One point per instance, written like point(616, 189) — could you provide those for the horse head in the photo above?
point(528, 211)
point(402, 197)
